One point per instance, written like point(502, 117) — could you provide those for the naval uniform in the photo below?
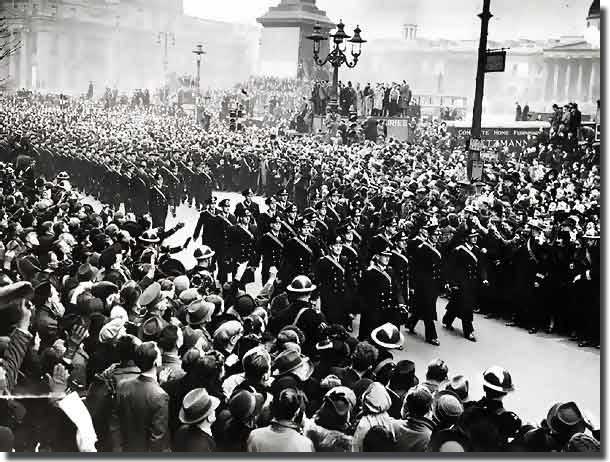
point(426, 277)
point(243, 249)
point(298, 258)
point(353, 268)
point(377, 300)
point(465, 273)
point(332, 277)
point(271, 248)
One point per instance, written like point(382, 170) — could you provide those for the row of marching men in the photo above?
point(358, 266)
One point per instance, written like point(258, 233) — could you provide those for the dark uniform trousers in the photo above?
point(426, 286)
point(465, 274)
point(331, 275)
point(271, 249)
point(377, 301)
point(351, 263)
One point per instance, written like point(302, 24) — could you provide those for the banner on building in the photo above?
point(493, 137)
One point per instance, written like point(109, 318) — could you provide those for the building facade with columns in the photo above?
point(538, 72)
point(65, 44)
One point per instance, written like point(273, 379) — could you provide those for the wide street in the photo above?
point(545, 368)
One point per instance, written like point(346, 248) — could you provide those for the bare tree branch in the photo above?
point(8, 44)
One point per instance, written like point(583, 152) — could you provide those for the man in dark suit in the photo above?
point(332, 276)
point(271, 247)
point(158, 203)
point(205, 222)
point(426, 282)
point(139, 421)
point(465, 273)
point(376, 292)
point(202, 186)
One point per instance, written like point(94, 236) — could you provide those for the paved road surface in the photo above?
point(545, 368)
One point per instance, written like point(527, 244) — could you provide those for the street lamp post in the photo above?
point(336, 57)
point(477, 111)
point(198, 51)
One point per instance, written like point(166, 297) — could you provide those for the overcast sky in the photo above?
point(452, 19)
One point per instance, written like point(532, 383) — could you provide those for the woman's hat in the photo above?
point(301, 284)
point(388, 336)
point(149, 237)
point(203, 253)
point(197, 405)
point(498, 379)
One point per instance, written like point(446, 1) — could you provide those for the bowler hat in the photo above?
point(458, 384)
point(199, 312)
point(245, 404)
point(292, 362)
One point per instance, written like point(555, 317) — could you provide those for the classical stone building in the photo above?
point(538, 73)
point(127, 43)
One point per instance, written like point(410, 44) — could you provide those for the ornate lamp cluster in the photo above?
point(337, 55)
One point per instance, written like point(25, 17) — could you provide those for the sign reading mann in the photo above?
point(513, 137)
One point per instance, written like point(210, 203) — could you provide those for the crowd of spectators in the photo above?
point(93, 303)
point(381, 99)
